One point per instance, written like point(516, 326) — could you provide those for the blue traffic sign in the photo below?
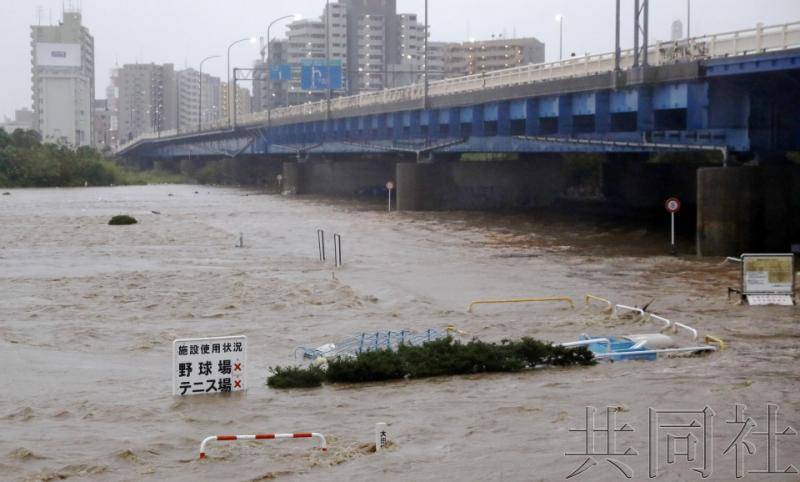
point(280, 72)
point(321, 75)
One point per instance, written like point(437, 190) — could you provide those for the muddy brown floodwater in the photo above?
point(88, 313)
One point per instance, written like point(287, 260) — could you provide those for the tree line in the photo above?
point(25, 161)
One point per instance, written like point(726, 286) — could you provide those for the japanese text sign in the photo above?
point(202, 366)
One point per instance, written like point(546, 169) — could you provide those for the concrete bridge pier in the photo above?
point(747, 209)
point(442, 186)
point(249, 170)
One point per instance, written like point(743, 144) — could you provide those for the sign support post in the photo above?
point(390, 188)
point(673, 206)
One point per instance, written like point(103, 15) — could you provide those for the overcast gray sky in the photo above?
point(185, 31)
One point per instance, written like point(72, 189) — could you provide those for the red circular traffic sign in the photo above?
point(390, 185)
point(673, 205)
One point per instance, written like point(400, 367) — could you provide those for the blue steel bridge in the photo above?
point(735, 92)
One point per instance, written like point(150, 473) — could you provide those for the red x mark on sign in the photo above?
point(237, 384)
point(237, 367)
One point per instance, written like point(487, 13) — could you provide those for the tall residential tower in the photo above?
point(62, 58)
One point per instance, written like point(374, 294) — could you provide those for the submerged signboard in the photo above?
point(203, 366)
point(768, 277)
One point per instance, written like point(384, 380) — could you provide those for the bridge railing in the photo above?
point(727, 44)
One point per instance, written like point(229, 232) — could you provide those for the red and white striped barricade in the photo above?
point(264, 436)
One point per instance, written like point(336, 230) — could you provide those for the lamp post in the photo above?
point(617, 48)
point(560, 20)
point(688, 19)
point(425, 100)
point(252, 40)
point(266, 60)
point(200, 104)
point(328, 37)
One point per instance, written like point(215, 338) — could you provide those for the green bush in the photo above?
point(296, 377)
point(26, 162)
point(433, 359)
point(122, 220)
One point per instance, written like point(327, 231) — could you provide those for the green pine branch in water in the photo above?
point(436, 358)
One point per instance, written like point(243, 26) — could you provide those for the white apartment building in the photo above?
point(62, 58)
point(372, 65)
point(189, 102)
point(310, 40)
point(146, 100)
point(501, 53)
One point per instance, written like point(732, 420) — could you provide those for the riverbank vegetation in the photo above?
point(25, 161)
point(433, 359)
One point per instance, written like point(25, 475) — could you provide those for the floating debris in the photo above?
point(373, 341)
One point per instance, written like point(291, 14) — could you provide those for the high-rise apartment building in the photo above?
point(188, 102)
point(411, 46)
point(379, 20)
point(454, 59)
point(62, 58)
point(146, 99)
point(502, 53)
point(378, 49)
point(242, 100)
point(112, 104)
point(101, 122)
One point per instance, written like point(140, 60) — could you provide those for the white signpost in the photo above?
point(207, 366)
point(381, 437)
point(390, 188)
point(768, 279)
point(673, 206)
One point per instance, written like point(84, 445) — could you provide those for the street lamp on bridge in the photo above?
point(232, 94)
point(200, 104)
point(560, 20)
point(265, 58)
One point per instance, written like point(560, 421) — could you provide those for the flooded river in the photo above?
point(88, 313)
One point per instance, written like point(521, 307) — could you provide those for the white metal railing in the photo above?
point(727, 44)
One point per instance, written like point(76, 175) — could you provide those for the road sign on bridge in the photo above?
point(321, 75)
